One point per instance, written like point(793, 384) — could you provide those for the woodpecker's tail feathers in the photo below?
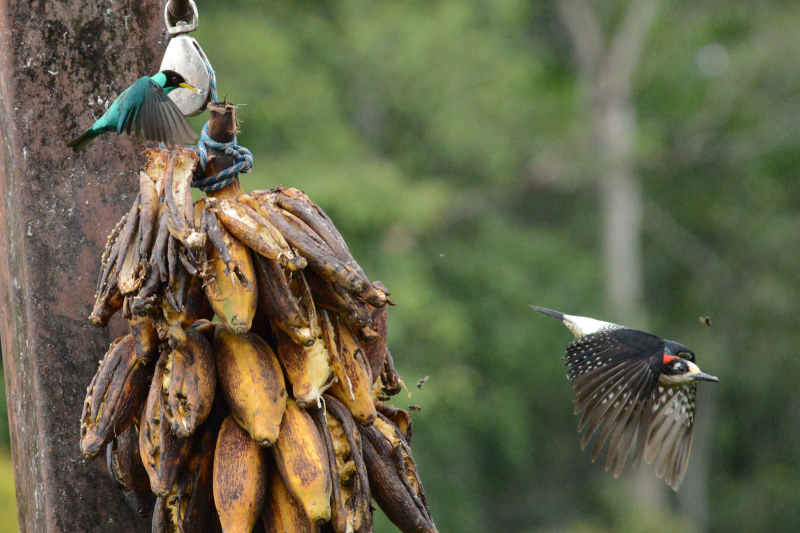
point(578, 325)
point(549, 312)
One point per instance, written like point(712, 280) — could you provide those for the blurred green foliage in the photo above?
point(449, 143)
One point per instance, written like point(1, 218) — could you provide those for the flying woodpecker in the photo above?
point(636, 390)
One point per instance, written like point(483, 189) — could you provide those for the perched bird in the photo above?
point(145, 110)
point(634, 388)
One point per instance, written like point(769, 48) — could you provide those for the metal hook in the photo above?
point(181, 26)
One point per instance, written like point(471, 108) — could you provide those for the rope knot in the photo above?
point(242, 158)
point(242, 162)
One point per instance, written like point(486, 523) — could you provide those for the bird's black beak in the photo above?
point(705, 377)
point(187, 86)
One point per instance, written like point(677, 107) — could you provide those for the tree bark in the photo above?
point(62, 64)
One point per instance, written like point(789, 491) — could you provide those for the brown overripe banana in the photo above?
point(309, 245)
point(145, 336)
point(390, 383)
point(192, 305)
point(156, 167)
point(240, 478)
point(393, 478)
point(178, 199)
point(126, 469)
point(302, 459)
point(148, 218)
point(252, 382)
point(188, 388)
point(400, 418)
point(162, 452)
point(277, 301)
point(336, 299)
point(189, 507)
point(108, 299)
point(115, 395)
point(129, 277)
point(375, 345)
point(300, 206)
point(350, 509)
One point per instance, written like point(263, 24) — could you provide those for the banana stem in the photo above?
point(222, 127)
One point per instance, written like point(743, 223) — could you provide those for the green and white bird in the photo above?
point(144, 110)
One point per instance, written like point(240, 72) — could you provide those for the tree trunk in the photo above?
point(61, 64)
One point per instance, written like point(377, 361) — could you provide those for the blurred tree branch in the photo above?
point(605, 69)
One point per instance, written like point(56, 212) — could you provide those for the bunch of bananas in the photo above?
point(271, 419)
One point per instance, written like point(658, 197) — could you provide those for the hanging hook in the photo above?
point(180, 16)
point(185, 56)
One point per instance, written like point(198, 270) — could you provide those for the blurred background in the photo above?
point(634, 161)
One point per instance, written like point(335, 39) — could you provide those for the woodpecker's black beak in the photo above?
point(705, 377)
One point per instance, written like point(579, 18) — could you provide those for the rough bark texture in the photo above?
point(62, 63)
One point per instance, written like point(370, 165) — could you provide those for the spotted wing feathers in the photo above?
point(671, 432)
point(614, 374)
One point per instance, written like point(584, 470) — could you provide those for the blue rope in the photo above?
point(213, 78)
point(242, 162)
point(242, 158)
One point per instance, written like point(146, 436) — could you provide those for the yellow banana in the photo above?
point(256, 232)
point(282, 513)
point(240, 478)
point(231, 288)
point(302, 459)
point(308, 368)
point(252, 382)
point(354, 379)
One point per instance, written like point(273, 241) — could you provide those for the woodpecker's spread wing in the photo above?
point(149, 113)
point(671, 433)
point(614, 374)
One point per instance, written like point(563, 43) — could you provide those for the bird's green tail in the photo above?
point(79, 143)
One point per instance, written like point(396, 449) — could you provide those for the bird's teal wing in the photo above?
point(147, 112)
